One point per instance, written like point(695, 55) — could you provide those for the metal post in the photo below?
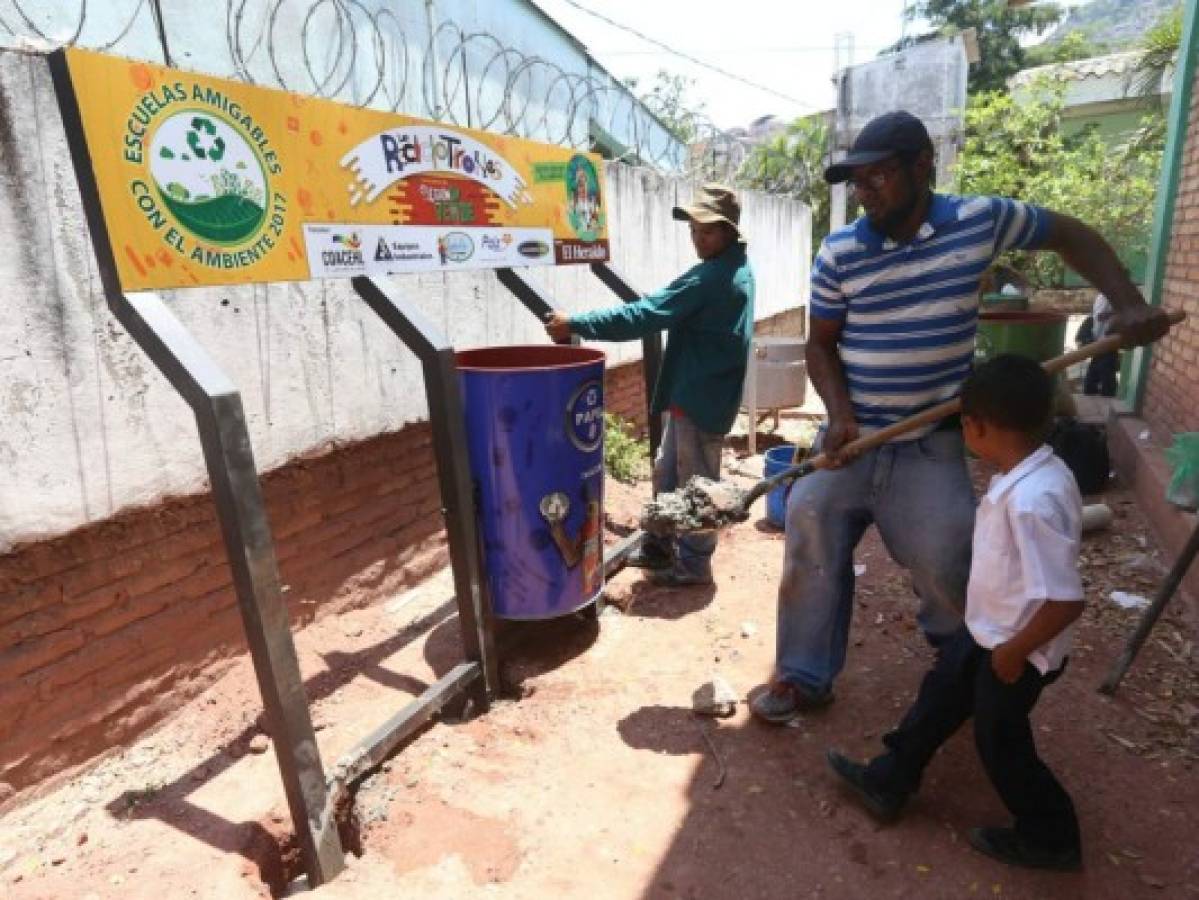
point(749, 398)
point(225, 439)
point(533, 299)
point(651, 349)
point(1153, 613)
point(453, 471)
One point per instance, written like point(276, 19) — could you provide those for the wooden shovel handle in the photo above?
point(949, 407)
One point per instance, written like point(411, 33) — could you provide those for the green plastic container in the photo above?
point(1004, 302)
point(1040, 335)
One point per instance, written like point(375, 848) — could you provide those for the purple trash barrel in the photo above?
point(535, 434)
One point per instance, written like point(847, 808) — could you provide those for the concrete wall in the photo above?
point(89, 428)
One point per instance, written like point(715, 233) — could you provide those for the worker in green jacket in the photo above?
point(708, 315)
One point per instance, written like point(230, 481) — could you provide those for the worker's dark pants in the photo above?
point(1102, 375)
point(962, 684)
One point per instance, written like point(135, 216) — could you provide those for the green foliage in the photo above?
point(1016, 149)
point(670, 100)
point(998, 27)
point(1075, 45)
point(793, 164)
point(626, 458)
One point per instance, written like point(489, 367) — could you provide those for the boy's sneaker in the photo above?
point(1007, 846)
point(785, 700)
point(883, 805)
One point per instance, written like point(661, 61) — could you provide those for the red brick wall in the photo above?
point(105, 630)
point(624, 393)
point(1172, 391)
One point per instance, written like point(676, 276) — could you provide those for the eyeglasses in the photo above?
point(874, 181)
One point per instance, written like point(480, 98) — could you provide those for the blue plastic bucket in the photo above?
point(535, 430)
point(777, 459)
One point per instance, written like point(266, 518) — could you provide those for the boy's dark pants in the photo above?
point(962, 684)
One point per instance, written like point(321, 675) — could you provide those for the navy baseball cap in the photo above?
point(887, 135)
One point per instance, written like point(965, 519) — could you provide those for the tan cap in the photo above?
point(713, 203)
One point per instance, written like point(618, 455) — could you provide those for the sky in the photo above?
point(783, 45)
point(786, 46)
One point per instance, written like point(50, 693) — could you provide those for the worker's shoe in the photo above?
point(785, 700)
point(883, 805)
point(1008, 846)
point(675, 576)
point(649, 555)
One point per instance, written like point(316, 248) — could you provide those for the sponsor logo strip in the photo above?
point(339, 251)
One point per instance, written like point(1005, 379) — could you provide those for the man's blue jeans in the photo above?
point(686, 451)
point(918, 493)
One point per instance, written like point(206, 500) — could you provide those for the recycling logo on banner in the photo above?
point(209, 177)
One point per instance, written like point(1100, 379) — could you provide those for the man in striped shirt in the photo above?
point(893, 316)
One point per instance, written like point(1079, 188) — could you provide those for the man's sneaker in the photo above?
point(648, 557)
point(676, 577)
point(1007, 846)
point(883, 805)
point(785, 700)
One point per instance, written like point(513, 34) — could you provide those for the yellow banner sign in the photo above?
point(204, 181)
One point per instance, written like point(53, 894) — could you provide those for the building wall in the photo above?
point(115, 601)
point(107, 629)
point(1172, 391)
point(89, 427)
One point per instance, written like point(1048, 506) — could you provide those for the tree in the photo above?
point(1015, 148)
point(793, 164)
point(998, 28)
point(670, 100)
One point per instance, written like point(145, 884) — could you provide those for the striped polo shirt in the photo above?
point(911, 310)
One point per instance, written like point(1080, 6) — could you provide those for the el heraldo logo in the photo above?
point(205, 172)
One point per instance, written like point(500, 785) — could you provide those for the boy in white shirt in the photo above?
point(1023, 597)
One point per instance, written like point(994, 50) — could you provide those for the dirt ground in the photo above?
point(592, 777)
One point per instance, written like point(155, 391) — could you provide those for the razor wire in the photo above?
point(368, 57)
